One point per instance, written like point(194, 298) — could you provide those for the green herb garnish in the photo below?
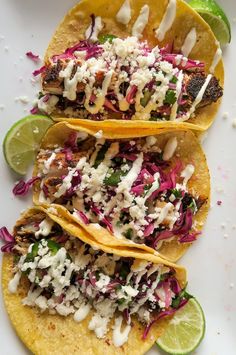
point(106, 38)
point(146, 97)
point(177, 193)
point(114, 178)
point(170, 97)
point(174, 80)
point(128, 233)
point(100, 155)
point(183, 294)
point(121, 301)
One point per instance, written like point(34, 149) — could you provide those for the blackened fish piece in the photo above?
point(212, 93)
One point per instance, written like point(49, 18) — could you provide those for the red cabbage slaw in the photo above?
point(22, 188)
point(8, 239)
point(32, 56)
point(165, 298)
point(169, 185)
point(94, 50)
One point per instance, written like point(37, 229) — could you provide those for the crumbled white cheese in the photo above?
point(99, 134)
point(225, 115)
point(130, 291)
point(22, 99)
point(234, 123)
point(99, 325)
point(151, 140)
point(103, 282)
point(41, 302)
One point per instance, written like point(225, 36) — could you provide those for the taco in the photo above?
point(152, 191)
point(141, 62)
point(65, 292)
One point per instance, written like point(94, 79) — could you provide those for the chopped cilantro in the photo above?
point(118, 224)
point(124, 271)
point(40, 95)
point(106, 38)
point(34, 252)
point(128, 233)
point(121, 301)
point(170, 97)
point(114, 178)
point(146, 97)
point(193, 205)
point(100, 155)
point(177, 193)
point(183, 294)
point(174, 80)
point(53, 246)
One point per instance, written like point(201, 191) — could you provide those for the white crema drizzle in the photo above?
point(216, 59)
point(167, 20)
point(124, 14)
point(189, 42)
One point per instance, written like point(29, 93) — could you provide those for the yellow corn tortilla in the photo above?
point(190, 152)
point(73, 26)
point(43, 333)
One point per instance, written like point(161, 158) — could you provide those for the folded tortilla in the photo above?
point(175, 198)
point(43, 332)
point(184, 24)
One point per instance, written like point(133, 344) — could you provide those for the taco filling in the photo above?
point(133, 188)
point(127, 78)
point(65, 276)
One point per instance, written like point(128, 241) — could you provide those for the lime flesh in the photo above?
point(22, 141)
point(215, 16)
point(185, 331)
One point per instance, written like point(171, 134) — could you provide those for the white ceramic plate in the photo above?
point(28, 25)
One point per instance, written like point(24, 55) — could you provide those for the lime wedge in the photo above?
point(22, 141)
point(215, 16)
point(185, 331)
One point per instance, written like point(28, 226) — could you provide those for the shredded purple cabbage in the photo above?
point(22, 187)
point(189, 237)
point(131, 94)
point(109, 105)
point(34, 110)
point(184, 223)
point(8, 238)
point(39, 71)
point(83, 216)
point(72, 142)
point(174, 285)
point(165, 234)
point(163, 314)
point(32, 56)
point(92, 49)
point(182, 64)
